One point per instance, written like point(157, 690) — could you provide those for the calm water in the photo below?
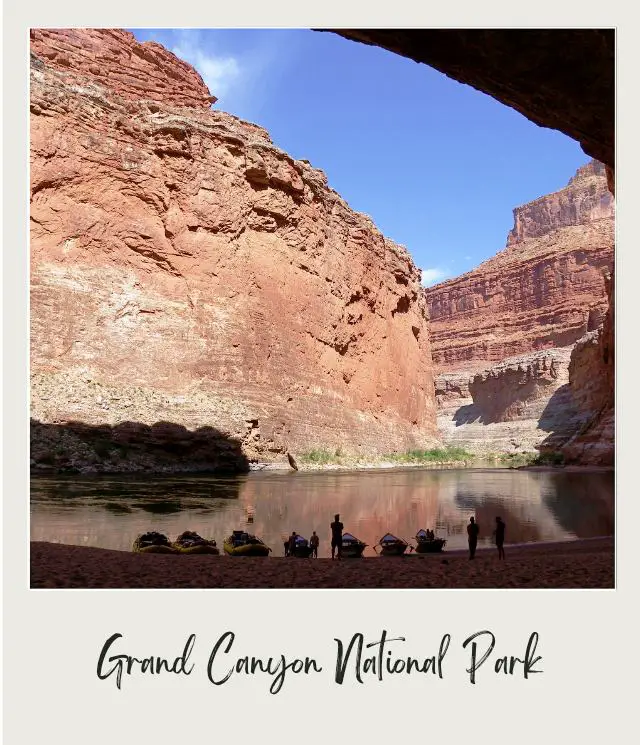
point(111, 511)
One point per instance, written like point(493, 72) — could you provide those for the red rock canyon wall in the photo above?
point(524, 343)
point(545, 289)
point(185, 270)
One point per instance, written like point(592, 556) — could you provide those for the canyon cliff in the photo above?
point(524, 342)
point(199, 298)
point(545, 289)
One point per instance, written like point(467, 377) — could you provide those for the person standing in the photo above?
point(336, 536)
point(292, 543)
point(499, 534)
point(472, 532)
point(314, 542)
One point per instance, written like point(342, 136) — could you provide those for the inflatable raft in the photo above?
point(190, 542)
point(240, 543)
point(153, 543)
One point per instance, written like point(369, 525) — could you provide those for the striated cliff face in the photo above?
point(545, 290)
point(585, 199)
point(547, 299)
point(517, 387)
point(111, 58)
point(521, 404)
point(186, 271)
point(592, 378)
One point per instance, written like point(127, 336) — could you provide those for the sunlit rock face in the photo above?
point(185, 270)
point(503, 334)
point(545, 289)
point(513, 406)
point(550, 294)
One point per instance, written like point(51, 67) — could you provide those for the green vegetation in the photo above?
point(323, 457)
point(519, 460)
point(436, 455)
point(516, 460)
point(319, 456)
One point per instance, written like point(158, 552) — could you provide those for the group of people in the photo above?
point(473, 530)
point(290, 543)
point(314, 541)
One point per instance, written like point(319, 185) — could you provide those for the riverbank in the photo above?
point(575, 564)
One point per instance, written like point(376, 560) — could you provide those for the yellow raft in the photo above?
point(186, 543)
point(240, 543)
point(153, 543)
point(192, 543)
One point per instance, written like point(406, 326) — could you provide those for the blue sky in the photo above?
point(437, 165)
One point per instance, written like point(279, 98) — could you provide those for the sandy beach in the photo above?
point(576, 564)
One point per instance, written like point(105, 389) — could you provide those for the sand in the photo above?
point(576, 564)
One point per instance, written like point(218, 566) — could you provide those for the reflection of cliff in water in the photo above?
point(369, 503)
point(535, 505)
point(541, 505)
point(517, 497)
point(586, 506)
point(111, 511)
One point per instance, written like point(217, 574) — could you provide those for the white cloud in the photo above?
point(433, 276)
point(219, 73)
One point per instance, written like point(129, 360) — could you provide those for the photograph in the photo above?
point(321, 308)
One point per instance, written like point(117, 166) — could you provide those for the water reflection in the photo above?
point(111, 511)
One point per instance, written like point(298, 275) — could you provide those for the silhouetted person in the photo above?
point(499, 534)
point(336, 536)
point(472, 532)
point(286, 547)
point(292, 543)
point(314, 541)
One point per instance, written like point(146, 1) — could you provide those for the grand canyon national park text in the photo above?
point(356, 658)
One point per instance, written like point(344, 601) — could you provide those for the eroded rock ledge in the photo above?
point(520, 405)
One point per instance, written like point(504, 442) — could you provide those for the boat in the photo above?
point(425, 544)
point(391, 545)
point(153, 543)
point(352, 548)
point(301, 548)
point(190, 542)
point(240, 543)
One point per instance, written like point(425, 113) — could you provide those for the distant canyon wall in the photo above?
point(191, 282)
point(545, 289)
point(523, 344)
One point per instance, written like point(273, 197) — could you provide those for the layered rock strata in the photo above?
point(592, 379)
point(546, 289)
point(549, 290)
point(520, 405)
point(186, 271)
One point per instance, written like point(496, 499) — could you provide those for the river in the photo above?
point(110, 511)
